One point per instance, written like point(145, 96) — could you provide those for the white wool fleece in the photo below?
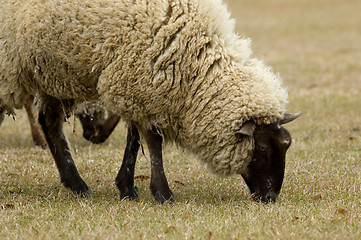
point(177, 65)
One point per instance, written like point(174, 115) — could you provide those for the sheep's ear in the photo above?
point(247, 129)
point(289, 117)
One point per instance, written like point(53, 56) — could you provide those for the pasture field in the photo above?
point(316, 47)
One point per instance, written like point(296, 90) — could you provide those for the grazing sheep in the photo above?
point(173, 69)
point(97, 122)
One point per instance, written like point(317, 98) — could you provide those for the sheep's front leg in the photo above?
point(125, 178)
point(51, 120)
point(158, 182)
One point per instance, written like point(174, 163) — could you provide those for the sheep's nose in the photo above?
point(270, 197)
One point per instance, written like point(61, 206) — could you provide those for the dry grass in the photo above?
point(315, 45)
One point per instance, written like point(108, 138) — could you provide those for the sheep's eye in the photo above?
point(262, 147)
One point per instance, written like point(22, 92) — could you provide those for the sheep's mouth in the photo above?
point(270, 197)
point(94, 138)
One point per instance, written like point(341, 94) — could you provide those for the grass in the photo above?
point(315, 45)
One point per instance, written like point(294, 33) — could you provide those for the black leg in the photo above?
point(51, 120)
point(158, 182)
point(125, 178)
point(2, 115)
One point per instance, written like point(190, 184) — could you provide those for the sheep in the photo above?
point(175, 71)
point(96, 121)
point(263, 175)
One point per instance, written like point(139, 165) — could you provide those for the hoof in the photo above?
point(164, 198)
point(78, 187)
point(82, 191)
point(129, 193)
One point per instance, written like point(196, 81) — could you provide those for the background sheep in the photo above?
point(175, 67)
point(97, 122)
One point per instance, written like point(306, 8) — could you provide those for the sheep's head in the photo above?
point(97, 121)
point(98, 130)
point(264, 174)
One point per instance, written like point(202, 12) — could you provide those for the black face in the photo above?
point(92, 130)
point(97, 129)
point(265, 172)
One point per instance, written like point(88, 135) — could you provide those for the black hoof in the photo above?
point(78, 187)
point(128, 193)
point(164, 198)
point(83, 193)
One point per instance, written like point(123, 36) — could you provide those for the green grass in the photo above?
point(315, 45)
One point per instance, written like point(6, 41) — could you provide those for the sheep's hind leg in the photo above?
point(125, 178)
point(2, 115)
point(158, 182)
point(36, 133)
point(51, 120)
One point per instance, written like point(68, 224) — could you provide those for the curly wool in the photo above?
point(177, 65)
